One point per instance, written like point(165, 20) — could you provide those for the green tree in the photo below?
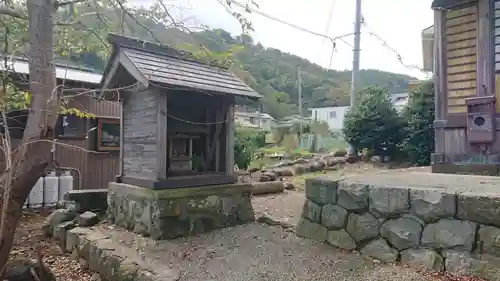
point(419, 116)
point(373, 124)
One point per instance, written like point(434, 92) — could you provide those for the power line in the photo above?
point(327, 26)
point(268, 16)
point(386, 45)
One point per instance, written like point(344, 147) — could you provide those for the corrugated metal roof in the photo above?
point(165, 65)
point(18, 65)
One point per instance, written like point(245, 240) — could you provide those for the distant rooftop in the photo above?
point(63, 71)
point(254, 114)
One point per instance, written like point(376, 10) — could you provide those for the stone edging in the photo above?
point(113, 261)
point(430, 228)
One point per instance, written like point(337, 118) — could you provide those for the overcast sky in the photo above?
point(398, 22)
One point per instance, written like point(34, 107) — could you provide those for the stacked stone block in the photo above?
point(430, 228)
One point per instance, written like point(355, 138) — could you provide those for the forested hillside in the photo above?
point(269, 71)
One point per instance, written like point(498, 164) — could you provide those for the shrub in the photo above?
point(256, 137)
point(373, 124)
point(243, 152)
point(419, 116)
point(246, 142)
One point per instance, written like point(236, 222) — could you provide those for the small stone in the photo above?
point(489, 236)
point(341, 239)
point(289, 186)
point(83, 263)
point(362, 226)
point(87, 219)
point(270, 176)
point(60, 231)
point(95, 277)
point(402, 233)
point(386, 201)
point(424, 259)
point(311, 230)
point(312, 211)
point(448, 233)
point(353, 196)
point(380, 250)
point(333, 216)
point(72, 238)
point(459, 263)
point(432, 204)
point(322, 190)
point(55, 218)
point(72, 206)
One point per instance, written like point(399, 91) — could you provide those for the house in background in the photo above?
point(86, 150)
point(334, 115)
point(255, 119)
point(399, 101)
point(428, 48)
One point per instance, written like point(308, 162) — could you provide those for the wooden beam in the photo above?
point(439, 77)
point(161, 135)
point(230, 131)
point(484, 53)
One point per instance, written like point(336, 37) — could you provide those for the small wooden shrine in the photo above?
point(177, 116)
point(466, 80)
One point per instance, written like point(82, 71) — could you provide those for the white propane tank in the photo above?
point(65, 184)
point(51, 189)
point(35, 198)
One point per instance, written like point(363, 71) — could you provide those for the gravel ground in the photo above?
point(29, 235)
point(256, 252)
point(285, 207)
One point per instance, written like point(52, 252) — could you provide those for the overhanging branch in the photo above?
point(13, 13)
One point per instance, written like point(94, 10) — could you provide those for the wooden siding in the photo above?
point(99, 107)
point(455, 141)
point(461, 42)
point(90, 169)
point(96, 169)
point(497, 35)
point(139, 135)
point(497, 53)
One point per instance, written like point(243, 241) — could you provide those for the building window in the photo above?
point(333, 114)
point(71, 126)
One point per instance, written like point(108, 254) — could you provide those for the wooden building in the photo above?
point(467, 81)
point(89, 149)
point(178, 116)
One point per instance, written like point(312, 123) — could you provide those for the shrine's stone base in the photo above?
point(168, 214)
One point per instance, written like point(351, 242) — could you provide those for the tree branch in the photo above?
point(59, 4)
point(13, 13)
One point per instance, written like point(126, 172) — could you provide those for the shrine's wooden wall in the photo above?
point(461, 54)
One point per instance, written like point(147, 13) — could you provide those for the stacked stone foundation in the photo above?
point(168, 214)
point(433, 229)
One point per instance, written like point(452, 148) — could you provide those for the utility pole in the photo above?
point(355, 62)
point(299, 87)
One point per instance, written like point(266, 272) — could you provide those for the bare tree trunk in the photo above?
point(30, 161)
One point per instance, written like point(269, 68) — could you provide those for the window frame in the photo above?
point(81, 130)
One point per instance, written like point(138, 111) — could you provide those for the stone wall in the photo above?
point(430, 228)
point(167, 214)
